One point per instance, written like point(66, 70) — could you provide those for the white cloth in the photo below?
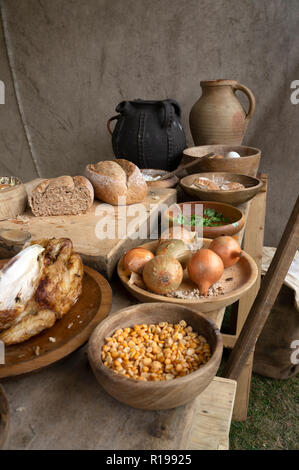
point(292, 278)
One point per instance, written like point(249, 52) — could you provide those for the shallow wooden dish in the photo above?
point(243, 274)
point(232, 196)
point(93, 305)
point(155, 395)
point(13, 200)
point(248, 164)
point(236, 217)
point(168, 183)
point(4, 418)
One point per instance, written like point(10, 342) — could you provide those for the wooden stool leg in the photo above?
point(243, 391)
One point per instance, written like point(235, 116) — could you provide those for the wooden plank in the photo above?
point(211, 424)
point(265, 299)
point(253, 244)
point(98, 253)
point(229, 341)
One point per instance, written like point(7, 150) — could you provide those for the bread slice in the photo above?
point(117, 182)
point(65, 195)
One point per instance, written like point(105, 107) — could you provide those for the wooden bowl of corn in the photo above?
point(170, 340)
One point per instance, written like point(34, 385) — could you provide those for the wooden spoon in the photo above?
point(181, 169)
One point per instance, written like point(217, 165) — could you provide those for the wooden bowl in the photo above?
point(70, 332)
point(158, 395)
point(233, 196)
point(168, 183)
point(13, 200)
point(236, 217)
point(236, 281)
point(248, 164)
point(4, 418)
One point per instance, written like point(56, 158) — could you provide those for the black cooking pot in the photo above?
point(149, 133)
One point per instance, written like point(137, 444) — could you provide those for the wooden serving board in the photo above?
point(100, 254)
point(69, 333)
point(4, 418)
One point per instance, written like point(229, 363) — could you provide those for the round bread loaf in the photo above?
point(117, 182)
point(65, 195)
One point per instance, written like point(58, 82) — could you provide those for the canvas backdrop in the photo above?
point(66, 64)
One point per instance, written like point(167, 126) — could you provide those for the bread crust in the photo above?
point(112, 179)
point(58, 196)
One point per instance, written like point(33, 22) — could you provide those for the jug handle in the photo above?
point(109, 121)
point(250, 96)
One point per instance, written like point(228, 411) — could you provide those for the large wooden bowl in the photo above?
point(4, 418)
point(155, 395)
point(70, 332)
point(232, 196)
point(248, 164)
point(241, 277)
point(235, 216)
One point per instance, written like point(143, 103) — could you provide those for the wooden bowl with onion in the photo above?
point(247, 164)
point(235, 281)
point(155, 395)
point(232, 196)
point(235, 217)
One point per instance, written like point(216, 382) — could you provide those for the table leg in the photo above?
point(253, 245)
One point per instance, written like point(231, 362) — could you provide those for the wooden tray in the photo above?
point(70, 332)
point(243, 274)
point(4, 418)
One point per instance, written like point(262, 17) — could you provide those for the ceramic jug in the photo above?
point(149, 133)
point(218, 116)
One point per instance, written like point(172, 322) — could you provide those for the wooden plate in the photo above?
point(236, 281)
point(4, 418)
point(233, 196)
point(70, 332)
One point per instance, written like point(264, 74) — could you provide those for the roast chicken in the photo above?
point(37, 287)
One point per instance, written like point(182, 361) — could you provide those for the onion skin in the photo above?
point(177, 233)
point(135, 260)
point(176, 249)
point(228, 249)
point(204, 269)
point(162, 274)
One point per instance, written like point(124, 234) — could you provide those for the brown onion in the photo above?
point(176, 249)
point(204, 269)
point(162, 274)
point(228, 249)
point(177, 233)
point(135, 260)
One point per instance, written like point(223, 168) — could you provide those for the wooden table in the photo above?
point(63, 407)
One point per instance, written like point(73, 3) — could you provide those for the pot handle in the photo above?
point(251, 98)
point(109, 121)
point(168, 113)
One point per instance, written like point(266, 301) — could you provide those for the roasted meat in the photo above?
point(38, 286)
